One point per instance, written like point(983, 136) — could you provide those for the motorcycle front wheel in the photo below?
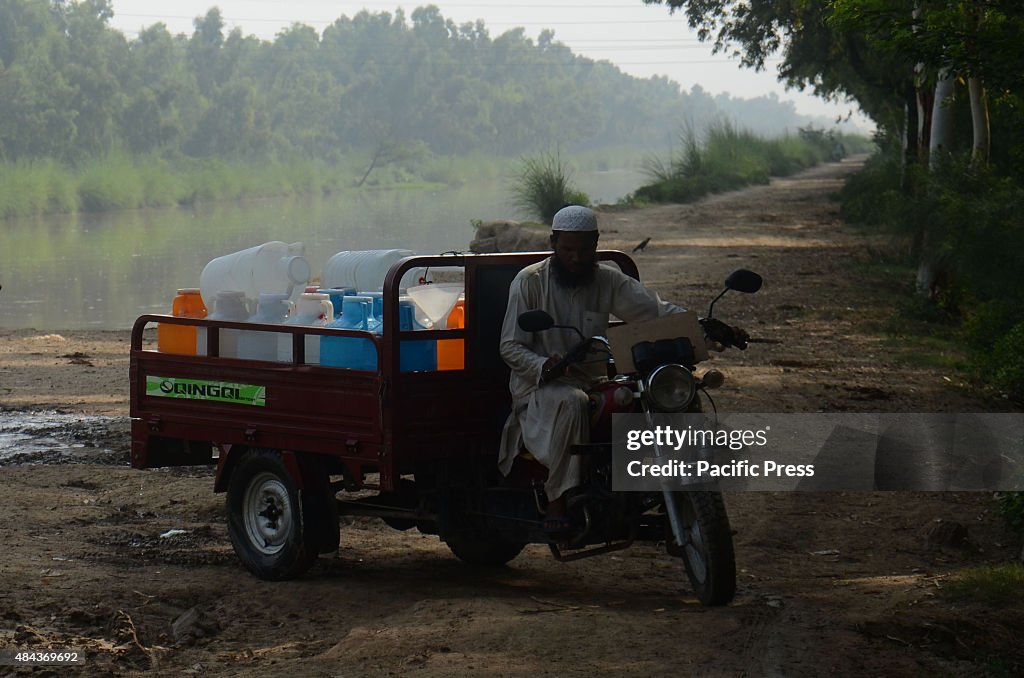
point(708, 554)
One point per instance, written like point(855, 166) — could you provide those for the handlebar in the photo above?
point(575, 355)
point(724, 334)
point(714, 329)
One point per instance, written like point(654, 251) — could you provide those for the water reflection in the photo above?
point(103, 270)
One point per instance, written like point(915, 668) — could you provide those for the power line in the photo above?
point(324, 22)
point(589, 6)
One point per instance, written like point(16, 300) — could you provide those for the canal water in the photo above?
point(101, 271)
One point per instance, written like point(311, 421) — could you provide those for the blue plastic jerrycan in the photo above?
point(356, 353)
point(417, 355)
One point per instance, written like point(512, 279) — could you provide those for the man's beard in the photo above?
point(566, 278)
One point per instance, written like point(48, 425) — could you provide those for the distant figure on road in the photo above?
point(838, 152)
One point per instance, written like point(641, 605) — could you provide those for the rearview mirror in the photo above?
point(743, 280)
point(535, 321)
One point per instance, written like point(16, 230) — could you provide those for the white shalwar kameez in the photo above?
point(547, 419)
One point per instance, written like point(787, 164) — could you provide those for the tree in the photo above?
point(37, 117)
point(834, 64)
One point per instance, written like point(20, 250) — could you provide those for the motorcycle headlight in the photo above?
point(670, 388)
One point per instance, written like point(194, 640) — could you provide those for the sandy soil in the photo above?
point(846, 584)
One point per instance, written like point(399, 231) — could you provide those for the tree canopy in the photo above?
point(72, 87)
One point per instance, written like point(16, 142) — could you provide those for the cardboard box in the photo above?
point(623, 337)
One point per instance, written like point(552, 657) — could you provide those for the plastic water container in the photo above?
point(188, 303)
point(227, 305)
point(271, 267)
point(451, 353)
point(337, 295)
point(366, 269)
point(376, 319)
point(311, 310)
point(259, 345)
point(357, 353)
point(415, 355)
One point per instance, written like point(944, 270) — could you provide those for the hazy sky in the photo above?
point(642, 40)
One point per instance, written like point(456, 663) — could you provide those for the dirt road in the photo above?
point(845, 584)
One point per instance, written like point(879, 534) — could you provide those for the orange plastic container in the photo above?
point(188, 303)
point(451, 353)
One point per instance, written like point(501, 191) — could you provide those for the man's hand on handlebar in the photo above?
point(720, 336)
point(551, 369)
point(742, 338)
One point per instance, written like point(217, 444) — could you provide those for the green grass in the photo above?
point(994, 585)
point(923, 353)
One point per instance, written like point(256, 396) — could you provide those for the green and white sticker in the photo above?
point(196, 389)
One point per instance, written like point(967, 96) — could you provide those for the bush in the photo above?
point(1006, 363)
point(872, 196)
point(1011, 506)
point(543, 185)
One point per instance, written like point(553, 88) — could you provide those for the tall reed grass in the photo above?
point(118, 181)
point(725, 158)
point(29, 188)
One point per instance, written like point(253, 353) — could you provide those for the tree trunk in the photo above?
point(930, 270)
point(941, 142)
point(979, 120)
point(910, 135)
point(373, 163)
point(925, 99)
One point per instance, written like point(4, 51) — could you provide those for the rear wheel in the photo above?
point(708, 554)
point(273, 525)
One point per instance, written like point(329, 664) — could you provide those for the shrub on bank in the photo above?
point(543, 185)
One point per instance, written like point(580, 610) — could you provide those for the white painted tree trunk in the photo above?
point(979, 120)
point(941, 141)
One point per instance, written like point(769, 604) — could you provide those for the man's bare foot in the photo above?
point(555, 520)
point(556, 508)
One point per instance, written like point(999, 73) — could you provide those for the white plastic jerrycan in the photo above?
point(257, 345)
point(311, 309)
point(227, 305)
point(274, 267)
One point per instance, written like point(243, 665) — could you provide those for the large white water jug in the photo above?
point(275, 267)
point(366, 269)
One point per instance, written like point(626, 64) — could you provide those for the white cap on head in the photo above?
point(574, 218)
